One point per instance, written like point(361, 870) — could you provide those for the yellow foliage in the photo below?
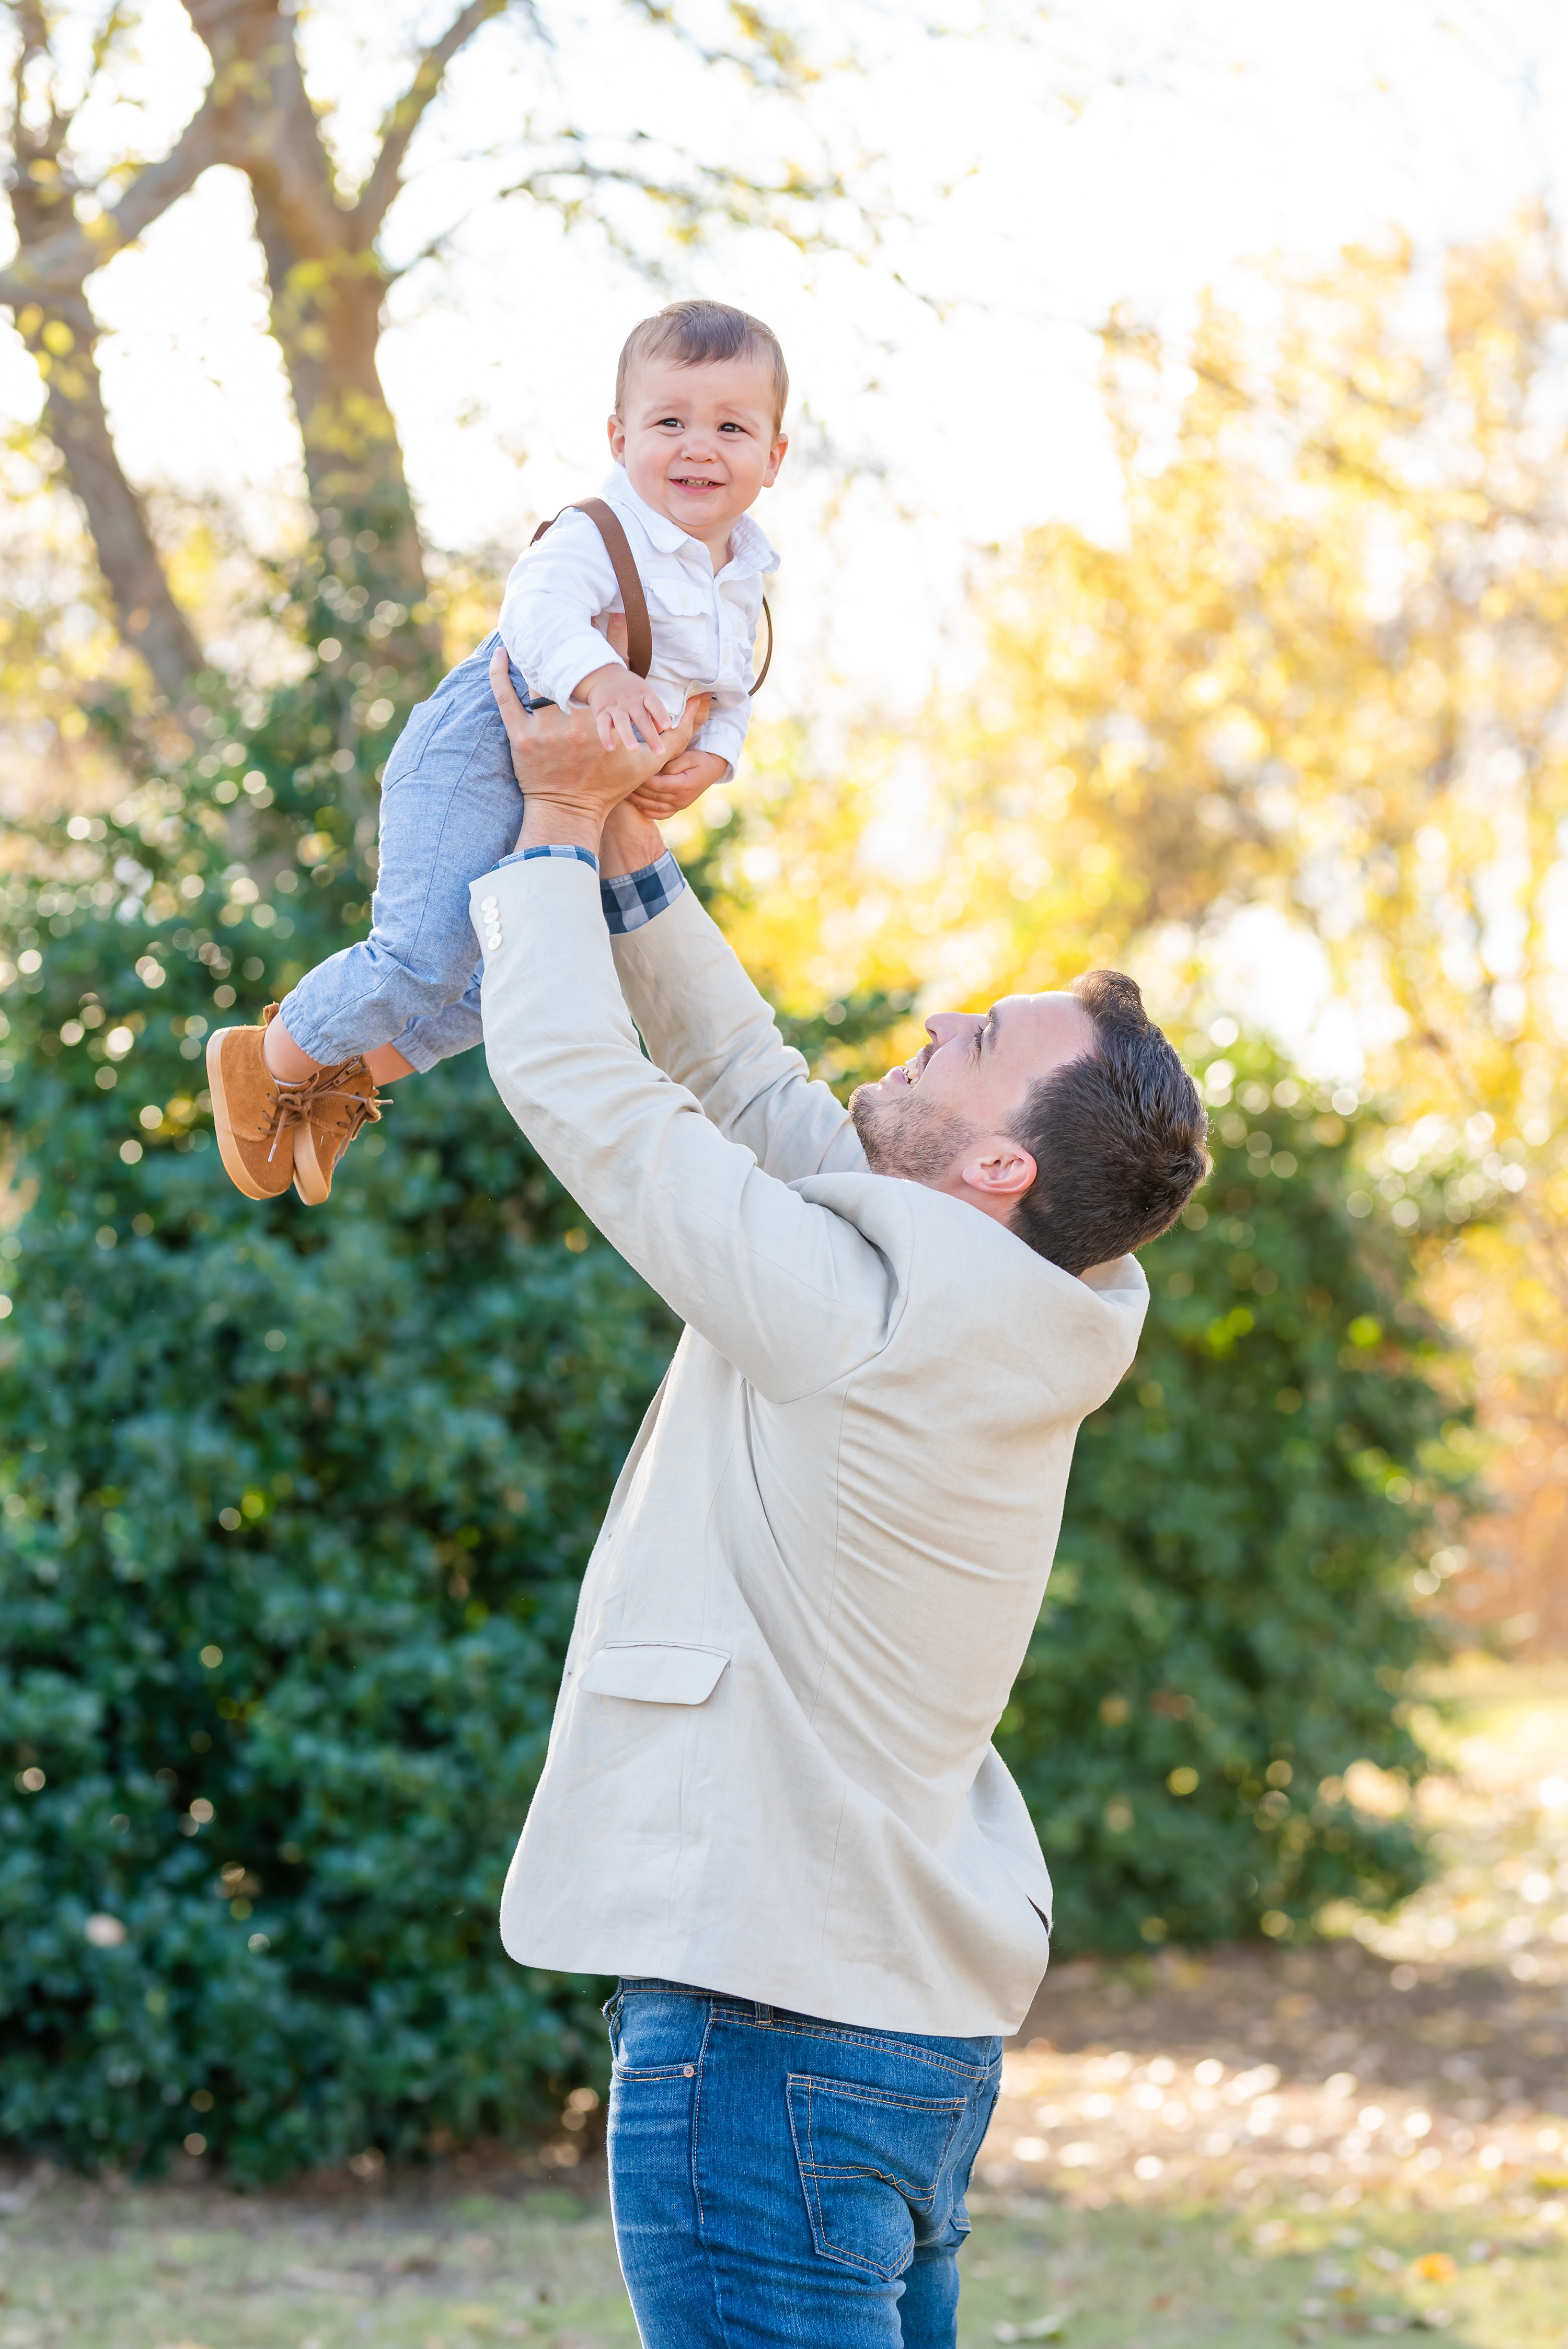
point(1324, 669)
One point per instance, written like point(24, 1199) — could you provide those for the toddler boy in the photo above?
point(696, 436)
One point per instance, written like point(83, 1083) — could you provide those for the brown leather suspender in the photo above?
point(768, 656)
point(617, 546)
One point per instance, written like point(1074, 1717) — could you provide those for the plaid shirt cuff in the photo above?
point(522, 855)
point(631, 900)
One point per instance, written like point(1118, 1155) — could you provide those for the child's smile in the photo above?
point(699, 443)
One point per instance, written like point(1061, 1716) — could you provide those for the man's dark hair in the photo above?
point(1118, 1136)
point(695, 334)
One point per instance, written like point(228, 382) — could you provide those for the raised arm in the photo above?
point(708, 1027)
point(787, 1291)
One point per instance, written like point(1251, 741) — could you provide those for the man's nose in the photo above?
point(941, 1025)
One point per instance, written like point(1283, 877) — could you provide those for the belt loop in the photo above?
point(764, 2014)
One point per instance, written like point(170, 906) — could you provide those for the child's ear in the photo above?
point(617, 432)
point(776, 456)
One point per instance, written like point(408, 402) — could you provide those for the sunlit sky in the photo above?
point(1028, 173)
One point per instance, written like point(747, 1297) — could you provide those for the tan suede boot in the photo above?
point(340, 1101)
point(254, 1118)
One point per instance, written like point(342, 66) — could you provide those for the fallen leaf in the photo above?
point(325, 2280)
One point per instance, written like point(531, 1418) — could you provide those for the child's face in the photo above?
point(699, 443)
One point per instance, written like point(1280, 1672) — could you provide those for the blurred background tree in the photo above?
point(319, 224)
point(1304, 721)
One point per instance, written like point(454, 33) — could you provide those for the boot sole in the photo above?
point(310, 1180)
point(235, 1166)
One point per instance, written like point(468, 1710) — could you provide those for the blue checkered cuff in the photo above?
point(631, 900)
point(522, 855)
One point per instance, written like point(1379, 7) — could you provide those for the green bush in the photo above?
point(295, 1504)
point(296, 1507)
point(1230, 1599)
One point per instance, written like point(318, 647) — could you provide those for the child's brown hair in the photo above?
point(697, 334)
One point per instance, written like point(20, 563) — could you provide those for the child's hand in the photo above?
point(622, 703)
point(685, 778)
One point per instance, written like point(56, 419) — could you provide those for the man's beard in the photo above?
point(903, 1136)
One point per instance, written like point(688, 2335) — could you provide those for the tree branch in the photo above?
point(711, 198)
point(385, 177)
point(61, 263)
point(274, 133)
point(770, 56)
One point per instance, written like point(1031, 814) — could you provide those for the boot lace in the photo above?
point(298, 1103)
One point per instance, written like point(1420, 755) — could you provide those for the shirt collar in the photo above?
point(750, 549)
point(665, 536)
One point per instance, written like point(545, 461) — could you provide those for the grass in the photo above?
point(1174, 2277)
point(153, 2271)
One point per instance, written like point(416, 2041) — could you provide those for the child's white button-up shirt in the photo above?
point(563, 590)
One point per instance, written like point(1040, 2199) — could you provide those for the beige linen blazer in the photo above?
point(771, 1771)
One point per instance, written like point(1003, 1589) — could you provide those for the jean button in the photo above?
point(689, 2071)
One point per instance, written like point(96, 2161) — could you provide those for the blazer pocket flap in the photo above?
point(654, 1672)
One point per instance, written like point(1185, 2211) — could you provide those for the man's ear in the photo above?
point(1000, 1169)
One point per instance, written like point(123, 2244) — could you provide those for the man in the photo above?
point(772, 1806)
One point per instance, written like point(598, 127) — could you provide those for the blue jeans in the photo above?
point(779, 2182)
point(450, 810)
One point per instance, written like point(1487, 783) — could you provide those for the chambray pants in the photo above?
point(450, 811)
point(779, 2182)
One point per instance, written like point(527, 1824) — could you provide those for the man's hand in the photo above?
point(570, 781)
point(676, 785)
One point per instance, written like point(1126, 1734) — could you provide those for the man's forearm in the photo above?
point(630, 841)
point(558, 823)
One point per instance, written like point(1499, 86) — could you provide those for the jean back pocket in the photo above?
point(870, 2160)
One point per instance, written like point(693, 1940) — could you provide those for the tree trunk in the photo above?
point(149, 618)
point(326, 286)
point(60, 331)
point(326, 316)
